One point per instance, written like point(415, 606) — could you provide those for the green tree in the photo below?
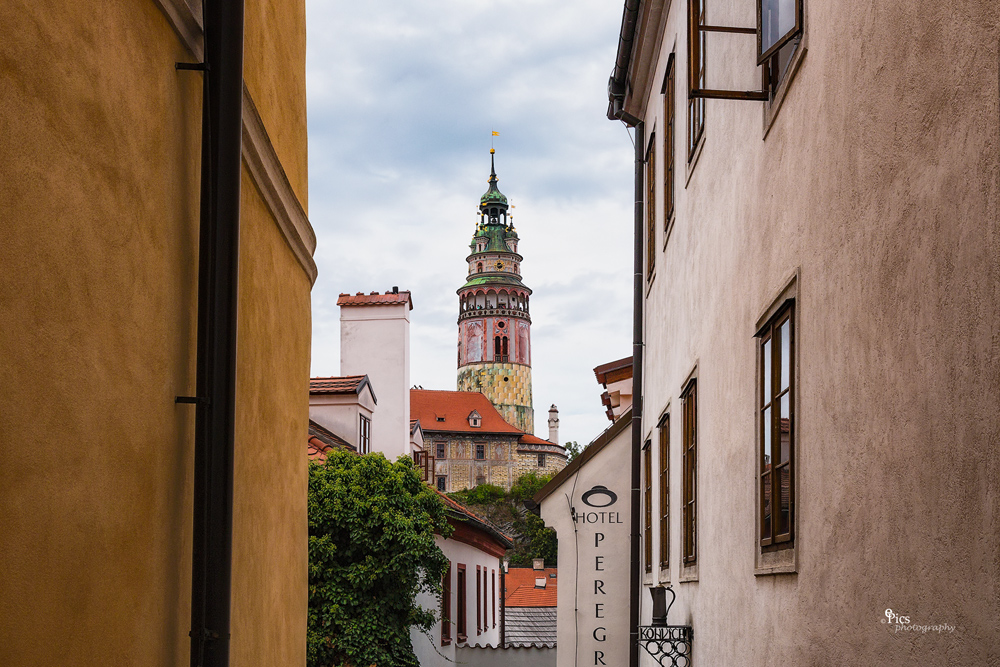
point(506, 510)
point(371, 551)
point(573, 450)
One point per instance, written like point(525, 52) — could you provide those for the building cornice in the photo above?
point(259, 155)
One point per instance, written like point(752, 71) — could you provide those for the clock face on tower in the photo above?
point(499, 266)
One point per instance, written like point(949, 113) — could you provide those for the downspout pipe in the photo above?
point(218, 279)
point(637, 314)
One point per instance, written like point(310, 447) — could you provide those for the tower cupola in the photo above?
point(494, 325)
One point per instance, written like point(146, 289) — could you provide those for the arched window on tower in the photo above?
point(479, 267)
point(505, 353)
point(497, 347)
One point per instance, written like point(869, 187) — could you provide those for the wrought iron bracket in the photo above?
point(670, 645)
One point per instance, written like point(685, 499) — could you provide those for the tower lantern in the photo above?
point(494, 325)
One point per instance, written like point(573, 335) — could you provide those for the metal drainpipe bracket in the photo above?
point(669, 645)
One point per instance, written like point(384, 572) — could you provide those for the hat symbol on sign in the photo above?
point(605, 497)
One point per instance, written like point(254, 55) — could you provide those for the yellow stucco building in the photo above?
point(100, 157)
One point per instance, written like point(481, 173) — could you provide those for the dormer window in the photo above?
point(475, 419)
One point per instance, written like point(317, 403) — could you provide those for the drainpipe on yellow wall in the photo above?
point(218, 280)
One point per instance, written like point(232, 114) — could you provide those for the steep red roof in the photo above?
point(529, 439)
point(522, 591)
point(347, 384)
point(450, 410)
point(376, 299)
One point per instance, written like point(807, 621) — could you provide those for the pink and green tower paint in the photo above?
point(494, 327)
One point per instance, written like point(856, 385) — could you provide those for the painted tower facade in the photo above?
point(494, 325)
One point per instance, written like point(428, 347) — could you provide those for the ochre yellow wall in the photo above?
point(276, 33)
point(100, 159)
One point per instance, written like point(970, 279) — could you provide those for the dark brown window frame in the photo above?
point(689, 402)
point(461, 604)
point(669, 130)
point(441, 450)
point(651, 207)
point(364, 435)
point(769, 395)
point(493, 595)
point(480, 447)
point(479, 601)
point(541, 460)
point(664, 458)
point(772, 50)
point(647, 506)
point(446, 607)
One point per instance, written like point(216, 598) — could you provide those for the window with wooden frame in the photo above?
point(776, 437)
point(647, 509)
point(668, 145)
point(364, 435)
point(696, 75)
point(651, 207)
point(480, 452)
point(441, 450)
point(479, 598)
point(689, 491)
point(486, 610)
point(461, 601)
point(664, 458)
point(779, 29)
point(446, 607)
point(442, 483)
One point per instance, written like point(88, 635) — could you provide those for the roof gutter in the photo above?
point(618, 83)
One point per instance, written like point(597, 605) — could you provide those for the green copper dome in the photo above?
point(493, 195)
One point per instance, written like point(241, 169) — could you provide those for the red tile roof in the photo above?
point(376, 299)
point(322, 440)
point(521, 589)
point(529, 439)
point(450, 410)
point(482, 524)
point(347, 384)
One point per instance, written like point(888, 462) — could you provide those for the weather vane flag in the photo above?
point(493, 133)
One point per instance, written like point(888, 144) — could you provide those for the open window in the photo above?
point(779, 26)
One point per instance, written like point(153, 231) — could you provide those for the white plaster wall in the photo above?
point(375, 340)
point(340, 413)
point(879, 182)
point(429, 650)
point(593, 559)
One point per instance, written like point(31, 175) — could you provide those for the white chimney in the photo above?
point(554, 424)
point(375, 341)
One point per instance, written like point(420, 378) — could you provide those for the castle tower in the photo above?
point(494, 328)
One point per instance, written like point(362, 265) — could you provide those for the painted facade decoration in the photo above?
point(494, 325)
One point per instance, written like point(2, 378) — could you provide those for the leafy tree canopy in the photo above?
point(573, 450)
point(371, 551)
point(506, 510)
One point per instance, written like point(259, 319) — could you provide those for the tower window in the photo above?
point(541, 460)
point(480, 452)
point(479, 267)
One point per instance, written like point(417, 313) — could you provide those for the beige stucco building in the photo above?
point(818, 286)
point(100, 157)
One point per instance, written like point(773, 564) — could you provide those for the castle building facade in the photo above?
point(494, 325)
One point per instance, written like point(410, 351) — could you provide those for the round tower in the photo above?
point(494, 327)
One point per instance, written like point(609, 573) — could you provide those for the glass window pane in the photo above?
point(785, 428)
point(767, 371)
point(767, 438)
point(777, 19)
point(765, 489)
point(785, 489)
point(786, 353)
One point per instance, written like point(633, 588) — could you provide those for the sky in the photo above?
point(403, 97)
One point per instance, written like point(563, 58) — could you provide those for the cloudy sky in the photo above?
point(403, 96)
